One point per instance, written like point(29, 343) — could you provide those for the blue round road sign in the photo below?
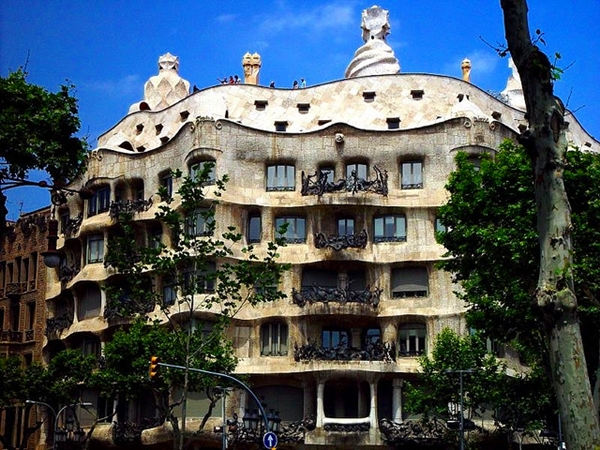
point(270, 440)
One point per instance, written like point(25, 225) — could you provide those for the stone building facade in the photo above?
point(356, 168)
point(22, 304)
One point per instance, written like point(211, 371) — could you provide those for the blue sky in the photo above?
point(108, 49)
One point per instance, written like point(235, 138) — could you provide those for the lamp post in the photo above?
point(69, 433)
point(460, 372)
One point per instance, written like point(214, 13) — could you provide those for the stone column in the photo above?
point(373, 411)
point(320, 400)
point(397, 400)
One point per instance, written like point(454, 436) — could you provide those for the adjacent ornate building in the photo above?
point(22, 305)
point(356, 168)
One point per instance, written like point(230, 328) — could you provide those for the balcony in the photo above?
point(128, 207)
point(67, 273)
point(341, 242)
point(320, 294)
point(318, 184)
point(29, 335)
point(11, 336)
point(71, 225)
point(58, 323)
point(375, 351)
point(14, 290)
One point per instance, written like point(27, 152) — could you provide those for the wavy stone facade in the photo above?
point(358, 166)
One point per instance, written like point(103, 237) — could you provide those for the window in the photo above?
point(201, 222)
point(155, 237)
point(274, 339)
point(100, 201)
point(411, 175)
point(203, 170)
point(476, 161)
point(1, 319)
point(345, 227)
point(200, 281)
point(281, 177)
point(30, 315)
point(325, 279)
point(390, 228)
point(411, 339)
point(254, 228)
point(296, 229)
point(166, 185)
point(95, 248)
point(90, 346)
point(371, 336)
point(335, 338)
point(281, 125)
point(439, 226)
point(89, 303)
point(328, 173)
point(393, 123)
point(169, 291)
point(410, 282)
point(360, 170)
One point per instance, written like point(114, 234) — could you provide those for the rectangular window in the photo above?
point(281, 177)
point(411, 175)
point(169, 291)
point(335, 338)
point(390, 228)
point(345, 227)
point(411, 340)
point(296, 229)
point(361, 171)
point(95, 248)
point(328, 173)
point(205, 170)
point(166, 183)
point(410, 282)
point(200, 281)
point(254, 228)
point(439, 227)
point(30, 315)
point(155, 238)
point(274, 337)
point(201, 222)
point(100, 201)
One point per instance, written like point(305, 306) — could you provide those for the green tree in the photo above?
point(58, 383)
point(514, 402)
point(37, 131)
point(493, 248)
point(546, 143)
point(206, 273)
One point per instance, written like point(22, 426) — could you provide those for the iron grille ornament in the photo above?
point(318, 184)
point(319, 294)
point(341, 242)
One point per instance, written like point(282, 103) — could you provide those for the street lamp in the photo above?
point(462, 415)
point(60, 436)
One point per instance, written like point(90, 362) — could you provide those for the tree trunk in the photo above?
point(546, 142)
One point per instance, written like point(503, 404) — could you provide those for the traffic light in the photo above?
point(153, 369)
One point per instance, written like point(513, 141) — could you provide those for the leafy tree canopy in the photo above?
point(493, 251)
point(521, 401)
point(37, 130)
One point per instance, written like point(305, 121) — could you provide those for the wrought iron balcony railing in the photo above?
point(318, 184)
point(424, 432)
point(15, 289)
point(128, 207)
point(67, 273)
point(319, 294)
point(375, 351)
point(71, 225)
point(58, 323)
point(341, 242)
